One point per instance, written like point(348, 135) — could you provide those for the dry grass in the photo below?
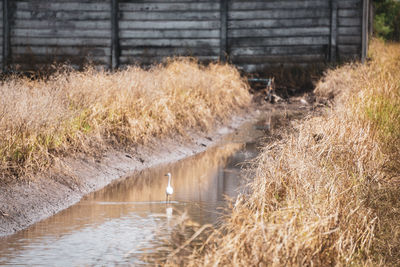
point(328, 193)
point(92, 110)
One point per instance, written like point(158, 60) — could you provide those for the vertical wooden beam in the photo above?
point(6, 34)
point(364, 41)
point(333, 39)
point(114, 35)
point(223, 54)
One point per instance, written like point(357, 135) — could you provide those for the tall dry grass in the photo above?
point(328, 193)
point(91, 110)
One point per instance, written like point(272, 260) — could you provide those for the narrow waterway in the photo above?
point(113, 227)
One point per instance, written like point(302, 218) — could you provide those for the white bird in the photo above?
point(169, 190)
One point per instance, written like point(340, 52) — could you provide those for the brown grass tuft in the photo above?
point(327, 194)
point(88, 111)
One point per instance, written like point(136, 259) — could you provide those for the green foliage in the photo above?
point(381, 28)
point(387, 19)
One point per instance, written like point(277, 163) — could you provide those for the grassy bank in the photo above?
point(328, 193)
point(90, 111)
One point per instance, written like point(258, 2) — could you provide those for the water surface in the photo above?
point(113, 226)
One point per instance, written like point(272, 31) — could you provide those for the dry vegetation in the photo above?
point(328, 193)
point(89, 111)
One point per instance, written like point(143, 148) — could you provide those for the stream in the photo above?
point(113, 226)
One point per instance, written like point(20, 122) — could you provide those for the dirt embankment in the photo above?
point(23, 204)
point(43, 121)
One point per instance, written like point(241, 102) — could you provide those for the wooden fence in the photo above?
point(252, 34)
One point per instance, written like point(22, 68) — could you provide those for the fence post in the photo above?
point(114, 35)
point(333, 39)
point(364, 41)
point(6, 35)
point(370, 19)
point(223, 54)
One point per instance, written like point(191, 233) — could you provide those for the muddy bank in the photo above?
point(23, 204)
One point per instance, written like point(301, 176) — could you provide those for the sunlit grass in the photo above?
point(328, 193)
point(93, 110)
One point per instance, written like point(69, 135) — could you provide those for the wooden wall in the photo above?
point(265, 34)
point(152, 30)
point(252, 34)
point(75, 31)
point(349, 29)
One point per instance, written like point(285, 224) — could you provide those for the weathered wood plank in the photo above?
point(34, 66)
point(60, 41)
point(278, 59)
point(264, 67)
point(278, 23)
point(279, 14)
point(350, 3)
point(155, 59)
point(17, 59)
point(64, 24)
point(168, 51)
point(61, 15)
point(249, 42)
point(122, 1)
point(66, 1)
point(349, 57)
point(98, 5)
point(347, 22)
point(163, 34)
point(257, 5)
point(349, 39)
point(175, 6)
point(349, 13)
point(165, 1)
point(172, 25)
point(349, 30)
point(170, 42)
point(171, 15)
point(61, 50)
point(61, 33)
point(278, 50)
point(349, 49)
point(279, 32)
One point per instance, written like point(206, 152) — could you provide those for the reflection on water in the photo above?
point(111, 226)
